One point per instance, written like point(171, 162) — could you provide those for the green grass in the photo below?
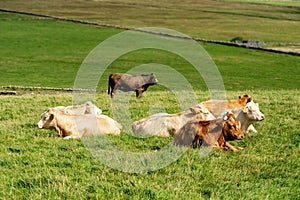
point(279, 2)
point(49, 53)
point(36, 52)
point(36, 164)
point(209, 19)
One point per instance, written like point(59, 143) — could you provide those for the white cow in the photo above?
point(247, 115)
point(165, 125)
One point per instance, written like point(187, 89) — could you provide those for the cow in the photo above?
point(76, 126)
point(212, 133)
point(127, 82)
point(247, 115)
point(165, 125)
point(86, 108)
point(216, 107)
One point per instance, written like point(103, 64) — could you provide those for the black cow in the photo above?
point(127, 82)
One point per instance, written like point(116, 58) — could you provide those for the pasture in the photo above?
point(36, 164)
point(278, 2)
point(209, 19)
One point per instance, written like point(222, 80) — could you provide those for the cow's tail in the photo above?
point(109, 78)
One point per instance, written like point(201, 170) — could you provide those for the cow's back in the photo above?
point(186, 134)
point(197, 132)
point(163, 124)
point(82, 125)
point(155, 125)
point(216, 107)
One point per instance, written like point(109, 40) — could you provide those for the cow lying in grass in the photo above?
point(250, 112)
point(216, 107)
point(247, 115)
point(165, 125)
point(213, 133)
point(76, 126)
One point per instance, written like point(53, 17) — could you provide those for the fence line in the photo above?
point(18, 87)
point(150, 32)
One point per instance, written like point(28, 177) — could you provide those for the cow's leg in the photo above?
point(138, 93)
point(251, 129)
point(230, 147)
point(68, 137)
point(112, 93)
point(145, 87)
point(112, 90)
point(71, 137)
point(239, 148)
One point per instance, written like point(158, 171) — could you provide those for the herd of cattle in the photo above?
point(211, 123)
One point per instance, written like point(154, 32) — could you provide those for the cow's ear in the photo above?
point(225, 117)
point(240, 97)
point(249, 100)
point(51, 117)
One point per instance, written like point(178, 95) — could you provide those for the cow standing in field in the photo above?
point(76, 126)
point(165, 125)
point(216, 107)
point(127, 82)
point(214, 133)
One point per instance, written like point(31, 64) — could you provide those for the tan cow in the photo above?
point(213, 133)
point(216, 107)
point(75, 126)
point(165, 125)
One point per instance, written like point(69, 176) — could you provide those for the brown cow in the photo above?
point(127, 82)
point(76, 126)
point(216, 107)
point(213, 133)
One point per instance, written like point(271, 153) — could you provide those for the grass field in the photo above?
point(36, 52)
point(209, 19)
point(36, 164)
point(279, 2)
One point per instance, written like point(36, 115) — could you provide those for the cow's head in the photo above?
point(232, 128)
point(152, 79)
point(252, 111)
point(46, 121)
